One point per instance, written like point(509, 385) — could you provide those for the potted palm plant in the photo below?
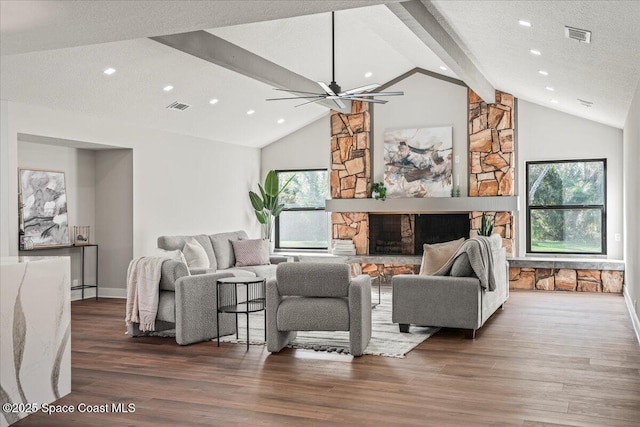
point(266, 205)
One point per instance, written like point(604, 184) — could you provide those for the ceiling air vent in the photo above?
point(585, 103)
point(582, 36)
point(178, 106)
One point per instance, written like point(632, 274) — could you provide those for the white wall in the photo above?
point(546, 134)
point(114, 214)
point(631, 149)
point(427, 102)
point(5, 174)
point(181, 185)
point(306, 148)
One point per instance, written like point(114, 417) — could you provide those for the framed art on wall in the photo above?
point(418, 162)
point(43, 197)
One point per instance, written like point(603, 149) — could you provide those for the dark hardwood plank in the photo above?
point(548, 359)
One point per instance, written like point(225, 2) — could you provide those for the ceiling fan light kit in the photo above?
point(333, 91)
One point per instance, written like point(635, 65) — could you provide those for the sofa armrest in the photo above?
point(196, 309)
point(359, 313)
point(276, 340)
point(277, 259)
point(437, 301)
point(195, 271)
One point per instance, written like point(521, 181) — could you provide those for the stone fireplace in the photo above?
point(402, 232)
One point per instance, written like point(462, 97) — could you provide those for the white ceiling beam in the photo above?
point(421, 18)
point(220, 52)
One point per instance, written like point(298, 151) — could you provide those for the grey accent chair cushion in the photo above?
point(318, 297)
point(223, 249)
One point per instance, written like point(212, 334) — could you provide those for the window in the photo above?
point(303, 224)
point(566, 207)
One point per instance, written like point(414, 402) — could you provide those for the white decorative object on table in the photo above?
point(343, 247)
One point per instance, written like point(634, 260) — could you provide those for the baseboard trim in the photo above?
point(632, 312)
point(76, 295)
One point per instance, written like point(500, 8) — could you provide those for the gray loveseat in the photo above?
point(452, 301)
point(187, 299)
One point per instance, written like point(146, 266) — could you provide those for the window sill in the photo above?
point(577, 263)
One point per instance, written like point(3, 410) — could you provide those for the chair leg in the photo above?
point(404, 327)
point(470, 334)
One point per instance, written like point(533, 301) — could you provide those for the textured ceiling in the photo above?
point(54, 54)
point(605, 72)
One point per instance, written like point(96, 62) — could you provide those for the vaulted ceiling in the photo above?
point(54, 54)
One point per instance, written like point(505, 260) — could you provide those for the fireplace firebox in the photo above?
point(404, 234)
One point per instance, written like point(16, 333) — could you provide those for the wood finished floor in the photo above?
point(548, 359)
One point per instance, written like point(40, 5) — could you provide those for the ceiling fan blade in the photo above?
point(326, 88)
point(299, 91)
point(339, 103)
point(309, 102)
point(360, 89)
point(380, 94)
point(376, 101)
point(296, 97)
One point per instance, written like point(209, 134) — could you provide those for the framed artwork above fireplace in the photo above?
point(418, 162)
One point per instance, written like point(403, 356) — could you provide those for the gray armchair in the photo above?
point(188, 304)
point(318, 297)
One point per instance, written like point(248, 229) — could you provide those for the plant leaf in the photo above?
point(256, 201)
point(271, 183)
point(262, 217)
point(278, 210)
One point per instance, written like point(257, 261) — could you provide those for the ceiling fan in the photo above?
point(333, 91)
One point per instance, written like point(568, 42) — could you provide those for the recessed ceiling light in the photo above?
point(250, 112)
point(443, 68)
point(280, 121)
point(535, 52)
point(554, 101)
point(213, 101)
point(524, 23)
point(549, 88)
point(543, 72)
point(109, 71)
point(168, 88)
point(368, 74)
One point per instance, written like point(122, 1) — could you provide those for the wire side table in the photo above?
point(227, 300)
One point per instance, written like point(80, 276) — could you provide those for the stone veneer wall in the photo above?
point(387, 271)
point(492, 159)
point(351, 172)
point(565, 279)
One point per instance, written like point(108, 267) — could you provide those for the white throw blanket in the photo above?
point(143, 291)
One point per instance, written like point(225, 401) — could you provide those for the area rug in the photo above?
point(386, 339)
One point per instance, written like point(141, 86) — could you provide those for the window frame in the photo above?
point(315, 209)
point(602, 207)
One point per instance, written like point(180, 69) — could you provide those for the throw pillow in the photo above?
point(176, 255)
point(462, 267)
point(195, 254)
point(251, 252)
point(437, 255)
